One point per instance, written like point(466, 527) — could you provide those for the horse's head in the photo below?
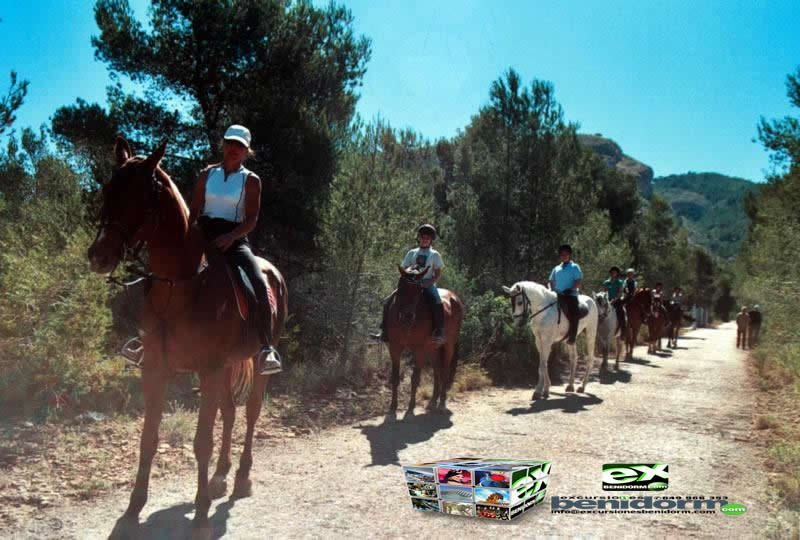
point(130, 202)
point(643, 299)
point(409, 291)
point(601, 299)
point(520, 304)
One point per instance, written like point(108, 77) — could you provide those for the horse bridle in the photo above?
point(153, 209)
point(413, 309)
point(526, 306)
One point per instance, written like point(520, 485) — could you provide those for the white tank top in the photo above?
point(225, 194)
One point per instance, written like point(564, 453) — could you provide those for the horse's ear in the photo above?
point(155, 158)
point(507, 290)
point(122, 150)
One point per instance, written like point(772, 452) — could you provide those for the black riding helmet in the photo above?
point(615, 268)
point(428, 229)
point(565, 247)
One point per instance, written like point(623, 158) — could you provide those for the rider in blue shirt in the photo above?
point(565, 279)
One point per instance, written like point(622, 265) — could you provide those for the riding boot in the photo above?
point(383, 335)
point(437, 310)
point(268, 360)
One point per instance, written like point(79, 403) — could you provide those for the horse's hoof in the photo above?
point(242, 488)
point(217, 487)
point(125, 528)
point(202, 530)
point(391, 417)
point(546, 395)
point(581, 389)
point(536, 395)
point(570, 388)
point(409, 414)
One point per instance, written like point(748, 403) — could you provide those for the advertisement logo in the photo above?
point(733, 509)
point(635, 476)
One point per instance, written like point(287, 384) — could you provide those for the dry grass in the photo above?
point(49, 464)
point(178, 427)
point(778, 402)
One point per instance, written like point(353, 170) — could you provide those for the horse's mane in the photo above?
point(538, 287)
point(167, 182)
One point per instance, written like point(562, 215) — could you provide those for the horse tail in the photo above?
point(458, 313)
point(241, 380)
point(453, 363)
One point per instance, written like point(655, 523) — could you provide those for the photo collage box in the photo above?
point(499, 489)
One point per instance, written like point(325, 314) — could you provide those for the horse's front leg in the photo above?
point(154, 386)
point(542, 389)
point(617, 349)
point(218, 484)
point(394, 381)
point(210, 392)
point(573, 366)
point(415, 376)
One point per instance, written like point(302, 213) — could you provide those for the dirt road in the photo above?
point(691, 410)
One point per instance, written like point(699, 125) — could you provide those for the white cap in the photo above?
point(239, 134)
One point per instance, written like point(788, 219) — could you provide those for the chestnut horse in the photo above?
point(410, 323)
point(675, 316)
point(636, 307)
point(189, 323)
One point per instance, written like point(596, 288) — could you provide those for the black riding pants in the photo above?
point(569, 303)
point(241, 255)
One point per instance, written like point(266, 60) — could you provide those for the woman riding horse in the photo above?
point(189, 321)
point(226, 203)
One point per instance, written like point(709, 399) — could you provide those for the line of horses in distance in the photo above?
point(532, 304)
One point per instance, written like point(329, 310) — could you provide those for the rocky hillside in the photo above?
point(613, 156)
point(711, 207)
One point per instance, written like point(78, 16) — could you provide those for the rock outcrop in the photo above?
point(612, 154)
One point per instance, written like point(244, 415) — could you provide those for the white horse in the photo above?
point(607, 328)
point(536, 303)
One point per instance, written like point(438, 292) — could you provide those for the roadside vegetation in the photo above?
point(767, 273)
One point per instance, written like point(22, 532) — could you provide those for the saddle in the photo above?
point(583, 309)
point(235, 279)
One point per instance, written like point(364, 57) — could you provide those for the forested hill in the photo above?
point(612, 154)
point(711, 206)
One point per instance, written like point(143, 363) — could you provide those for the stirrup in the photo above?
point(269, 361)
point(438, 337)
point(133, 352)
point(380, 336)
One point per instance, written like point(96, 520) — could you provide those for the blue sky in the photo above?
point(679, 85)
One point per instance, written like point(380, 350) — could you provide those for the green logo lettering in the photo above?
point(733, 509)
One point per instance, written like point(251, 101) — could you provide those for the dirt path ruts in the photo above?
point(691, 410)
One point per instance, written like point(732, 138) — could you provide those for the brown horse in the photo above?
point(675, 316)
point(636, 307)
point(189, 323)
point(409, 322)
point(656, 324)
